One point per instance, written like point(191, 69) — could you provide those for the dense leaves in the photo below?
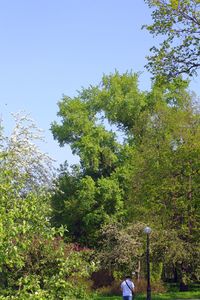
point(35, 263)
point(149, 174)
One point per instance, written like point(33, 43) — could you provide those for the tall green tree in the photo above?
point(147, 171)
point(98, 194)
point(177, 22)
point(167, 180)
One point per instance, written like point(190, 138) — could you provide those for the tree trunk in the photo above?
point(138, 271)
point(175, 272)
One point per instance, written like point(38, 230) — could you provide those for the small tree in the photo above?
point(121, 248)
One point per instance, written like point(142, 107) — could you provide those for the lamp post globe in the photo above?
point(147, 231)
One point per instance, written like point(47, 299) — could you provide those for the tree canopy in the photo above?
point(145, 171)
point(177, 22)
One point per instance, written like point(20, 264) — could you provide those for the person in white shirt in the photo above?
point(127, 287)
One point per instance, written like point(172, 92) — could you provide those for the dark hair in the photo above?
point(128, 276)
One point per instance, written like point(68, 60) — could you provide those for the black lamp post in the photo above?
point(147, 230)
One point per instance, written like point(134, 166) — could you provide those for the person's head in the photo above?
point(128, 277)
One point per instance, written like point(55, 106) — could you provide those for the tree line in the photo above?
point(138, 165)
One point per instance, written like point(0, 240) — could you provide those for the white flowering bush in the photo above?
point(35, 263)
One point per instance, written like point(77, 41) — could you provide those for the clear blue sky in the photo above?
point(50, 48)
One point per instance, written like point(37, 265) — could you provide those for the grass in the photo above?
point(164, 296)
point(171, 294)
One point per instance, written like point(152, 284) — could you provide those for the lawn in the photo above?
point(165, 296)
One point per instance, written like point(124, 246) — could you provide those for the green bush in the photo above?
point(52, 270)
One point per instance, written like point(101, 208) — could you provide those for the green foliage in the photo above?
point(178, 21)
point(151, 177)
point(168, 180)
point(25, 204)
point(53, 271)
point(121, 248)
point(33, 263)
point(99, 187)
point(156, 270)
point(90, 204)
